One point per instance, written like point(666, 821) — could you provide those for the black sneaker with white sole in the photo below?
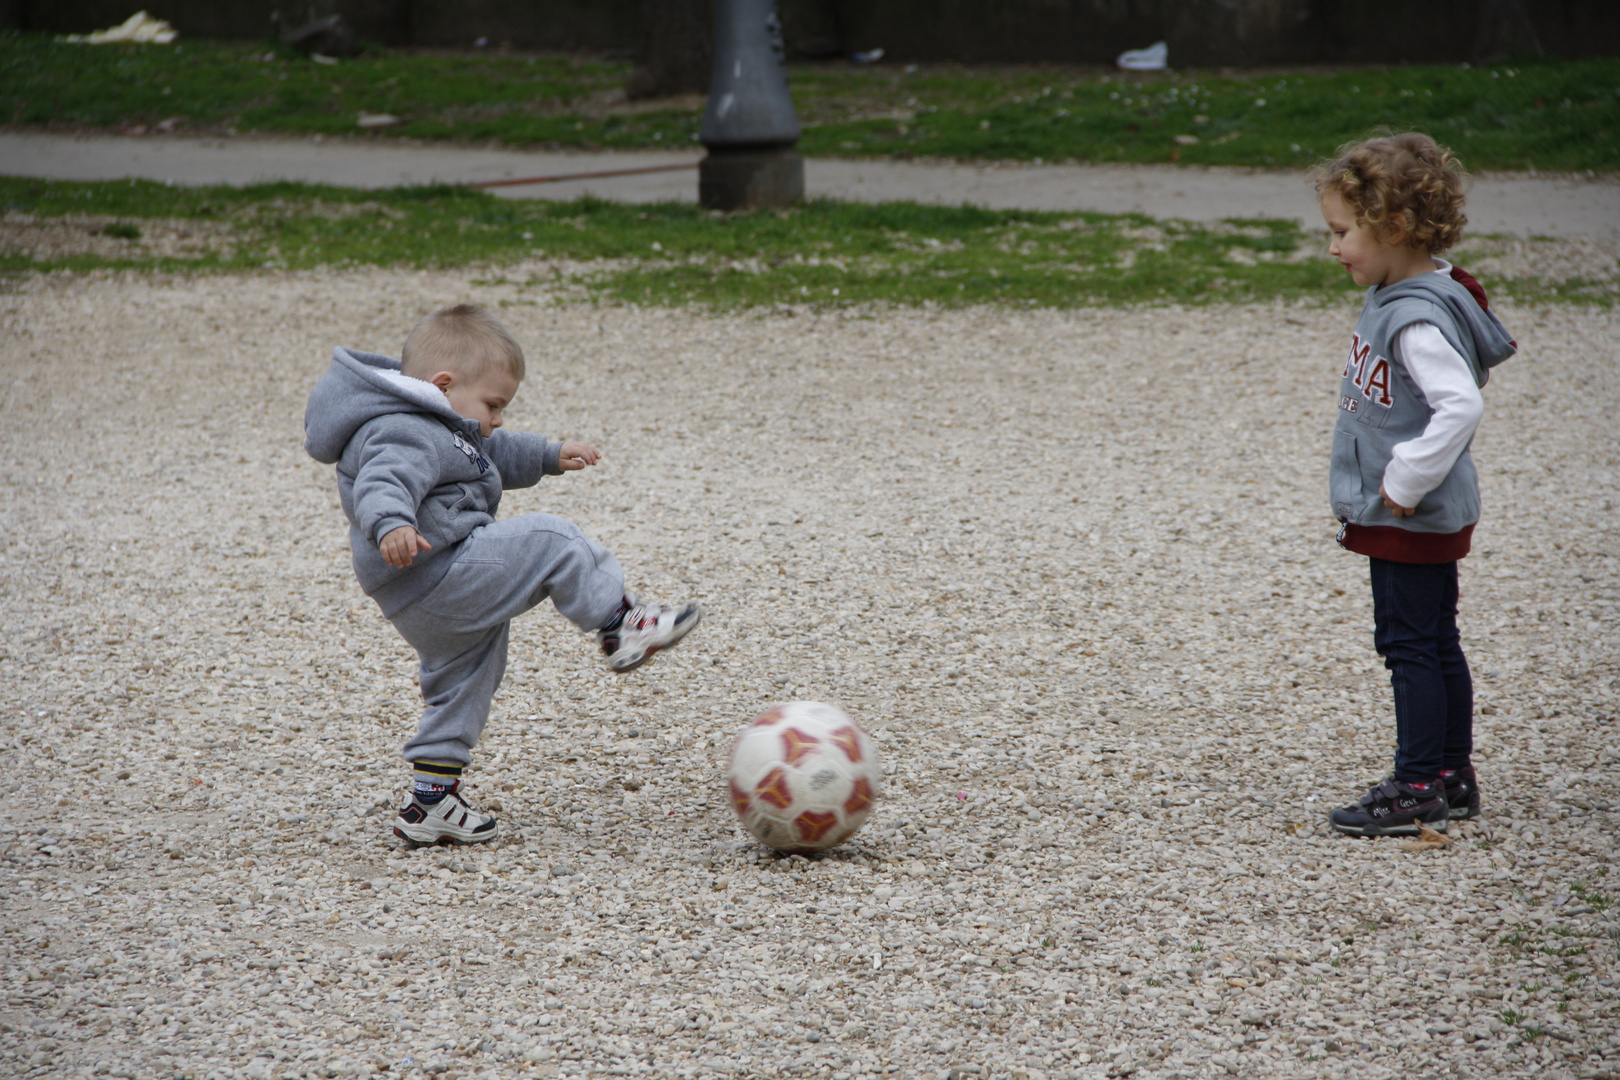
point(1462, 792)
point(1392, 808)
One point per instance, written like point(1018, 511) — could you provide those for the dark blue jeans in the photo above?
point(1415, 630)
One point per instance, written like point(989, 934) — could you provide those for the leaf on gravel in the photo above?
point(1428, 840)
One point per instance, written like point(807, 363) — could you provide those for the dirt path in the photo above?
point(1523, 205)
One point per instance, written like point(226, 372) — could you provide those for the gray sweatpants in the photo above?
point(460, 629)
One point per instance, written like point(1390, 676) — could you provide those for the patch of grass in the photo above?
point(1544, 115)
point(821, 253)
point(1568, 950)
point(1591, 896)
point(1516, 940)
point(252, 86)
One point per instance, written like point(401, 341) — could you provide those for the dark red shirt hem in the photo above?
point(1402, 545)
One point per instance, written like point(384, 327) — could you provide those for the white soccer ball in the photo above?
point(803, 776)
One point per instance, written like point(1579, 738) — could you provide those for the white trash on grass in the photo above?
point(1155, 57)
point(139, 27)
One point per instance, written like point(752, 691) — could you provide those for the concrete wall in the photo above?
point(1200, 32)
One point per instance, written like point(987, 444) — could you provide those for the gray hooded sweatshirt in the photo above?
point(404, 457)
point(1380, 406)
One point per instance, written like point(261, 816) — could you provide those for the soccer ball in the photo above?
point(803, 776)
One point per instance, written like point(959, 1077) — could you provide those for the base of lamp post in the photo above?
point(750, 179)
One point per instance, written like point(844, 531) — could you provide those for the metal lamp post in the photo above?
point(749, 128)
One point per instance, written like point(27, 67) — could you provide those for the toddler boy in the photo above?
point(421, 464)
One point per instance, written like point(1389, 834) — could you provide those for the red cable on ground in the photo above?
point(561, 177)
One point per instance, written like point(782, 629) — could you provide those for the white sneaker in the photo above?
point(646, 629)
point(448, 821)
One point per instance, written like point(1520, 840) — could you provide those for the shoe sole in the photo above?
point(444, 840)
point(1438, 826)
point(1464, 815)
point(654, 650)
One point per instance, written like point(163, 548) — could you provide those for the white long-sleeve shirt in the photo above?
point(1443, 376)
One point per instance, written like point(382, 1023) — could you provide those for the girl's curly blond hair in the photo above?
point(1407, 185)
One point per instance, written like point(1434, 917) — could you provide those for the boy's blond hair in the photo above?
point(1408, 177)
point(464, 339)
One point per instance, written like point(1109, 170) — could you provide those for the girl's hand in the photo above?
point(576, 455)
point(400, 546)
point(1394, 507)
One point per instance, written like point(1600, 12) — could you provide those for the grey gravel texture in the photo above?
point(1073, 570)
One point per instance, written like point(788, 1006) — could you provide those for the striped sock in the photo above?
point(432, 781)
point(618, 616)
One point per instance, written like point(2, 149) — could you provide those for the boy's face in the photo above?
point(1357, 247)
point(483, 399)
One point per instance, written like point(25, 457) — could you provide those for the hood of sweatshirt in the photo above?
point(358, 388)
point(1488, 342)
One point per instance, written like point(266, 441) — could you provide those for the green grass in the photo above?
point(1546, 116)
point(1543, 115)
point(821, 253)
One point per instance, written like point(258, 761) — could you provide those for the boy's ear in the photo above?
point(444, 380)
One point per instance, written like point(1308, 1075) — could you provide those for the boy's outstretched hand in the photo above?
point(576, 455)
point(400, 546)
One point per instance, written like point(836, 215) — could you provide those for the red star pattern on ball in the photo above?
point(860, 797)
point(739, 799)
point(774, 789)
point(848, 740)
point(812, 825)
point(769, 716)
point(796, 745)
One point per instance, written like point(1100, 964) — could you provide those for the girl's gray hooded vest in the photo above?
point(404, 457)
point(1380, 406)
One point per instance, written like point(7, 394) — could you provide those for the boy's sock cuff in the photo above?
point(618, 616)
point(432, 781)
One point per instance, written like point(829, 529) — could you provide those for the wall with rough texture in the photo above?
point(1200, 33)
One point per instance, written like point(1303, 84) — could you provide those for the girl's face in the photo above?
point(1357, 247)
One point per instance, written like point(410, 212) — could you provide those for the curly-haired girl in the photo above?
point(1401, 482)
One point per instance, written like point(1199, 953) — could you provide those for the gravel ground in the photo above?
point(1073, 570)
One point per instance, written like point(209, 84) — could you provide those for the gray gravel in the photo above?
point(1073, 570)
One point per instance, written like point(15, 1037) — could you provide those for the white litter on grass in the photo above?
point(139, 27)
point(1155, 57)
point(378, 120)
